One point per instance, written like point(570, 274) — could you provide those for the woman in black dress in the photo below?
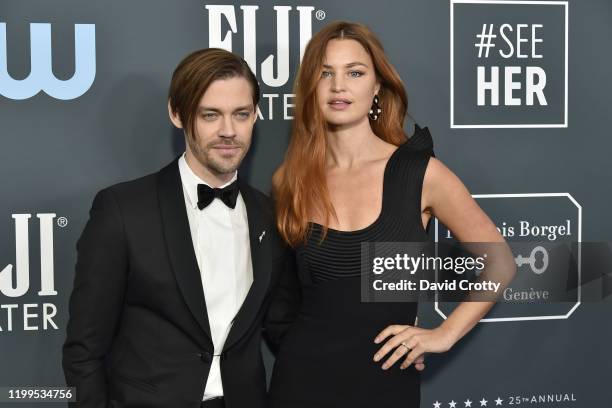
point(351, 175)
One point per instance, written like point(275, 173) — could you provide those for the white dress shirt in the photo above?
point(220, 237)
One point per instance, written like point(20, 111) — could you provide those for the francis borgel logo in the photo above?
point(41, 77)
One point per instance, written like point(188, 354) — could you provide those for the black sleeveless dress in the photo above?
point(325, 359)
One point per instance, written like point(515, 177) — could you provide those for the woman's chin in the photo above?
point(336, 123)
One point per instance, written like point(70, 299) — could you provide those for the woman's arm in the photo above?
point(445, 197)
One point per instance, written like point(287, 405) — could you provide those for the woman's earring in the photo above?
point(375, 111)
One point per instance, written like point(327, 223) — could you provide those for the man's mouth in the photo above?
point(224, 148)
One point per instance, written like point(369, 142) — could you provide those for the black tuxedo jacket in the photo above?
point(138, 334)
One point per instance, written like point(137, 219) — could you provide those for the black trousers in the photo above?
point(213, 403)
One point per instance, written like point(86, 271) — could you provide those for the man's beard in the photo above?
point(217, 166)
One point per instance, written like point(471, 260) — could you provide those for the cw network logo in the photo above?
point(41, 77)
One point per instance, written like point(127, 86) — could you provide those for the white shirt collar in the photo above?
point(190, 181)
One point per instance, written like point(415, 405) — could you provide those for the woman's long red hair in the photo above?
point(299, 185)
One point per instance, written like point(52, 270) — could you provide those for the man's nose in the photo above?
point(227, 127)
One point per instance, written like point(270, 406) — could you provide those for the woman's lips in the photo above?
point(339, 104)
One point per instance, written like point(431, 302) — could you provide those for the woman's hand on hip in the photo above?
point(412, 342)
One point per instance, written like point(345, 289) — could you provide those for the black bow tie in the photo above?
point(227, 194)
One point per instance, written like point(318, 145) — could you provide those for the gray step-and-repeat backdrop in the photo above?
point(516, 94)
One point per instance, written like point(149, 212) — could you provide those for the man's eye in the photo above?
point(355, 74)
point(243, 115)
point(209, 116)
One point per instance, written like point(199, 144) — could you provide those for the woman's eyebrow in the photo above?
point(349, 65)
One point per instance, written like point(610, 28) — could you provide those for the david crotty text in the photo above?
point(464, 284)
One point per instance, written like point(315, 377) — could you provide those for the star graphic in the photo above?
point(498, 401)
point(468, 403)
point(452, 404)
point(483, 402)
point(436, 404)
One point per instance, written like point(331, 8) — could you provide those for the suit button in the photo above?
point(206, 356)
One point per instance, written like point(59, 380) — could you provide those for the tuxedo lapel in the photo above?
point(179, 243)
point(259, 220)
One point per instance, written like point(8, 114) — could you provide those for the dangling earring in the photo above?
point(375, 111)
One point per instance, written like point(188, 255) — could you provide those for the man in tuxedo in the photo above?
point(175, 269)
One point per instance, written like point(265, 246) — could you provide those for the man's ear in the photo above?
point(255, 114)
point(174, 117)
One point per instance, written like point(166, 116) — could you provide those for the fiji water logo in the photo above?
point(41, 77)
point(218, 38)
point(15, 280)
point(230, 24)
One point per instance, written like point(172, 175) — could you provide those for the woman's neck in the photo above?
point(350, 146)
